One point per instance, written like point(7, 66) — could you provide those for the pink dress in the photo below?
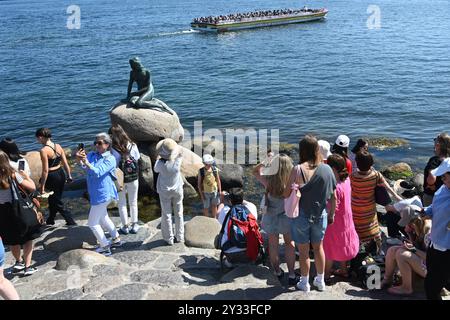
point(341, 242)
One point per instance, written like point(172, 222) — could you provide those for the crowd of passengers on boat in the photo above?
point(254, 14)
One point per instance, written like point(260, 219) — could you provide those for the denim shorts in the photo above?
point(2, 254)
point(211, 198)
point(276, 223)
point(305, 230)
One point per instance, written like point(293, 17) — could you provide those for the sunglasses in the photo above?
point(98, 143)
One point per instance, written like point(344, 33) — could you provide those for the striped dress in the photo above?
point(364, 205)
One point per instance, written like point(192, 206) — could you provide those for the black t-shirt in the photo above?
point(433, 163)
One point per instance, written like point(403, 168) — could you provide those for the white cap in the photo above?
point(343, 141)
point(324, 147)
point(208, 159)
point(443, 168)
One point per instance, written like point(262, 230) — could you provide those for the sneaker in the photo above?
point(18, 266)
point(170, 242)
point(280, 276)
point(320, 285)
point(303, 286)
point(29, 271)
point(124, 230)
point(115, 243)
point(394, 242)
point(227, 263)
point(134, 229)
point(293, 281)
point(106, 251)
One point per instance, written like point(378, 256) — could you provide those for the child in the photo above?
point(209, 186)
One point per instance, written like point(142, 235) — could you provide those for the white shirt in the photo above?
point(169, 178)
point(5, 194)
point(15, 165)
point(221, 216)
point(399, 206)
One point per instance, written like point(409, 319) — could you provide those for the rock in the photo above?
point(149, 149)
point(146, 178)
point(163, 278)
point(132, 291)
point(418, 181)
point(34, 161)
point(79, 184)
point(190, 165)
point(189, 191)
point(397, 171)
point(231, 176)
point(201, 231)
point(71, 294)
point(250, 274)
point(80, 258)
point(136, 258)
point(147, 124)
point(66, 239)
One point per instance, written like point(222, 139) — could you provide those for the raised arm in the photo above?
point(258, 176)
point(106, 166)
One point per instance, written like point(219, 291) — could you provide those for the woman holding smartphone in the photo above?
point(53, 176)
point(16, 160)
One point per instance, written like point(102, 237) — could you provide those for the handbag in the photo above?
point(26, 209)
point(381, 194)
point(118, 179)
point(291, 204)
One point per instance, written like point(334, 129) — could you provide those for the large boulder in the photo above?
point(189, 191)
point(397, 171)
point(34, 161)
point(146, 178)
point(190, 165)
point(80, 258)
point(66, 239)
point(201, 231)
point(231, 176)
point(147, 124)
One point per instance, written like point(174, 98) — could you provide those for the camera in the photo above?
point(21, 165)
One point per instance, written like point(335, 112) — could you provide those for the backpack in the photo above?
point(360, 266)
point(243, 232)
point(214, 169)
point(129, 167)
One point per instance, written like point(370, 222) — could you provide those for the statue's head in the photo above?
point(136, 64)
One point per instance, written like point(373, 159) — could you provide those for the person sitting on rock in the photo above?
point(234, 198)
point(209, 186)
point(144, 96)
point(410, 257)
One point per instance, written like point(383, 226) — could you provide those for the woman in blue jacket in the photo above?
point(100, 166)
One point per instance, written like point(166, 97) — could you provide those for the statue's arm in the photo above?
point(130, 85)
point(147, 85)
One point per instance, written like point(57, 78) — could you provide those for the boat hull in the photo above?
point(233, 26)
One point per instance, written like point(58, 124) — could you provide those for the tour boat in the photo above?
point(257, 19)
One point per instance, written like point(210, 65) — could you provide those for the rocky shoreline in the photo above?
point(145, 267)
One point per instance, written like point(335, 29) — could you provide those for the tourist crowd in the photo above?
point(325, 206)
point(253, 14)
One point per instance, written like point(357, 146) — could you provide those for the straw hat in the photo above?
point(167, 149)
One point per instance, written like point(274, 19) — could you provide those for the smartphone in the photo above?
point(80, 146)
point(21, 165)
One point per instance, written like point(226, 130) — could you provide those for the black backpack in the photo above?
point(129, 167)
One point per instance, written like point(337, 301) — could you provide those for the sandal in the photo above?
point(340, 273)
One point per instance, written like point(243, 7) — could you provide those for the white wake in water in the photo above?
point(177, 32)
